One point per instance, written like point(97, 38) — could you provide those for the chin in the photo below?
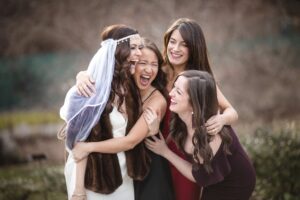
point(172, 109)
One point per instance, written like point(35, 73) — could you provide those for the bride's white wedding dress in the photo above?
point(125, 191)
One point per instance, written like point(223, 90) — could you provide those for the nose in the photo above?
point(176, 47)
point(138, 52)
point(148, 68)
point(171, 93)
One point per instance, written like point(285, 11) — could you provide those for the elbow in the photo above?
point(236, 115)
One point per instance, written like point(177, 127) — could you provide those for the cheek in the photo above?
point(169, 46)
point(137, 72)
point(130, 56)
point(186, 52)
point(155, 72)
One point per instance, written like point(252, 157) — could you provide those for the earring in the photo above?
point(193, 120)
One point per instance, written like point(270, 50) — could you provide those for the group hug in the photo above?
point(142, 124)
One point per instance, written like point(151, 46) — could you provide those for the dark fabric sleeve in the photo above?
point(221, 168)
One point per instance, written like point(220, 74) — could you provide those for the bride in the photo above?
point(103, 116)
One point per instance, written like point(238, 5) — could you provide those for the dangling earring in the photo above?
point(193, 120)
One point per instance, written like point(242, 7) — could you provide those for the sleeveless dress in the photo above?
point(126, 190)
point(158, 183)
point(183, 187)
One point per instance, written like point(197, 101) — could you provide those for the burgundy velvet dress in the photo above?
point(184, 188)
point(233, 176)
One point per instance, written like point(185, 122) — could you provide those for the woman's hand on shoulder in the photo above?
point(215, 124)
point(85, 84)
point(152, 119)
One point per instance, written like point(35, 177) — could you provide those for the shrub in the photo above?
point(34, 181)
point(275, 155)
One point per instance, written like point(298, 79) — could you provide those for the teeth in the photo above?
point(175, 54)
point(145, 76)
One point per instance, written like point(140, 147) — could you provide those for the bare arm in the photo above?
point(228, 112)
point(227, 116)
point(114, 145)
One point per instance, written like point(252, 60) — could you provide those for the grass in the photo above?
point(32, 181)
point(12, 119)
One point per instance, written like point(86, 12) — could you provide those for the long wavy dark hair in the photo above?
point(193, 36)
point(103, 172)
point(160, 81)
point(122, 83)
point(203, 99)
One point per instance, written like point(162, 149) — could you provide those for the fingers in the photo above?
point(155, 139)
point(82, 91)
point(210, 121)
point(147, 117)
point(85, 84)
point(213, 130)
point(86, 90)
point(92, 81)
point(151, 113)
point(149, 144)
point(211, 127)
point(90, 84)
point(161, 136)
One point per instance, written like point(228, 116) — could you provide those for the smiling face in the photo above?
point(146, 69)
point(136, 45)
point(177, 50)
point(180, 102)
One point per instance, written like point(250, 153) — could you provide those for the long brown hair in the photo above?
point(122, 80)
point(160, 81)
point(193, 36)
point(103, 173)
point(203, 99)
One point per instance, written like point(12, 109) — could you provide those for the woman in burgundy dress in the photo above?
point(219, 164)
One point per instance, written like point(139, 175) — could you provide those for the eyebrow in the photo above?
point(177, 88)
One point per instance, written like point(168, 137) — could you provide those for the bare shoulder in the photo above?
point(157, 102)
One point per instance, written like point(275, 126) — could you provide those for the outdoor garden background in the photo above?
point(254, 49)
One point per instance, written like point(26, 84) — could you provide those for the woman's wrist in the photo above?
point(88, 147)
point(166, 153)
point(223, 119)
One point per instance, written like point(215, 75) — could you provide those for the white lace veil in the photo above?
point(80, 113)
